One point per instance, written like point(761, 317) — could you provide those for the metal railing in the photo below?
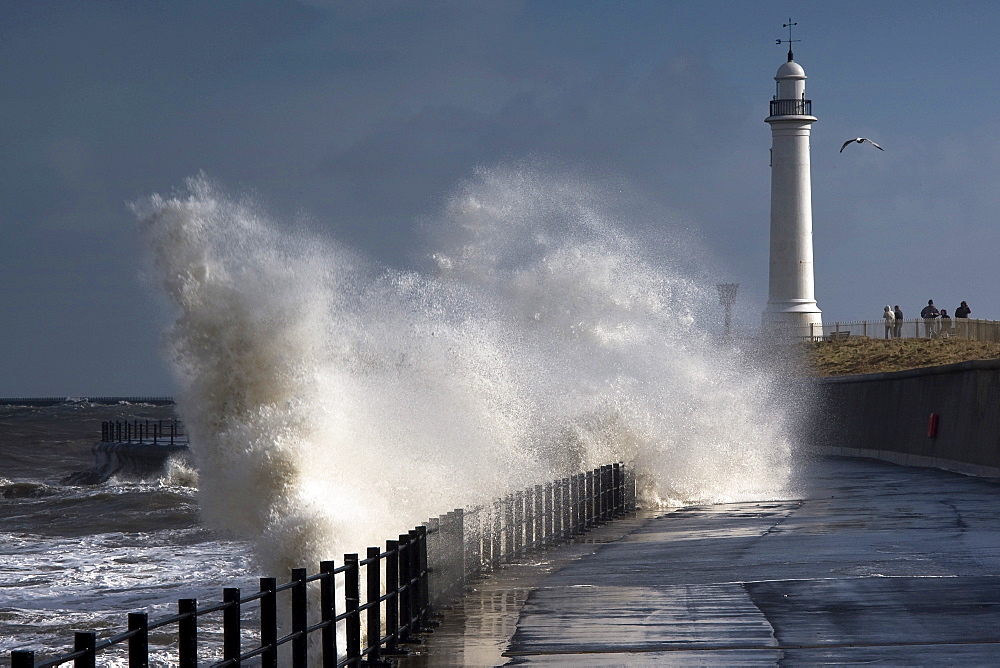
point(404, 583)
point(793, 107)
point(965, 328)
point(143, 431)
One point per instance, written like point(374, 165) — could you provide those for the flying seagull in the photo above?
point(860, 140)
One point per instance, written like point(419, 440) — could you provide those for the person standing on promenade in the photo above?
point(944, 324)
point(897, 330)
point(963, 312)
point(929, 313)
point(890, 321)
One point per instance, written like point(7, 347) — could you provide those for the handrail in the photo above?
point(933, 328)
point(424, 568)
point(791, 107)
point(144, 431)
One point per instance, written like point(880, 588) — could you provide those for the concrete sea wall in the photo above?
point(945, 417)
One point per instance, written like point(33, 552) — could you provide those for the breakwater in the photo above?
point(376, 603)
point(133, 448)
point(943, 417)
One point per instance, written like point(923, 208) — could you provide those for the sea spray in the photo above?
point(620, 325)
point(331, 404)
point(325, 412)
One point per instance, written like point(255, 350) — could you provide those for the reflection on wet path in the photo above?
point(476, 630)
point(873, 563)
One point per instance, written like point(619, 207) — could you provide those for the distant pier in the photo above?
point(134, 449)
point(104, 401)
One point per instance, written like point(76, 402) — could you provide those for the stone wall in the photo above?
point(886, 416)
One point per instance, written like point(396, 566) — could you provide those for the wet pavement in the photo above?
point(873, 563)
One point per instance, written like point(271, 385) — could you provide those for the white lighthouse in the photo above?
point(791, 304)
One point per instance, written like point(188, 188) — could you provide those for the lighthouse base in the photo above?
point(798, 319)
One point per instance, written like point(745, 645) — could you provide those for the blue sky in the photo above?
point(366, 115)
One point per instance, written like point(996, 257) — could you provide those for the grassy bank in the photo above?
point(863, 355)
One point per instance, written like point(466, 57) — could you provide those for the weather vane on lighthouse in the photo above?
point(789, 40)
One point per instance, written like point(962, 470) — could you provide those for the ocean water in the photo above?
point(78, 558)
point(333, 402)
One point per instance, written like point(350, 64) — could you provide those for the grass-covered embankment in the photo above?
point(857, 355)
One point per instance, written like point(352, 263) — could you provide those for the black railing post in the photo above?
point(630, 490)
point(607, 493)
point(495, 533)
point(547, 516)
point(599, 494)
point(577, 504)
point(373, 575)
point(352, 601)
point(619, 487)
point(85, 641)
point(413, 579)
point(573, 499)
point(567, 522)
point(574, 483)
point(508, 528)
point(536, 517)
point(187, 633)
point(423, 574)
point(602, 476)
point(539, 517)
point(300, 619)
point(405, 615)
point(138, 644)
point(518, 524)
point(22, 658)
point(589, 508)
point(458, 547)
point(269, 623)
point(328, 603)
point(231, 625)
point(392, 591)
point(556, 511)
point(485, 537)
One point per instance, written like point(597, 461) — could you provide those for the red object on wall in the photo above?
point(932, 426)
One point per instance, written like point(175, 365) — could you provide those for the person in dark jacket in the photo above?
point(929, 313)
point(897, 328)
point(963, 312)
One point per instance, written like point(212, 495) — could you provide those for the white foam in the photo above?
point(331, 407)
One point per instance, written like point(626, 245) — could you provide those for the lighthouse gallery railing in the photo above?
point(791, 107)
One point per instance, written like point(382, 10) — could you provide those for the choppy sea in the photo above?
point(80, 558)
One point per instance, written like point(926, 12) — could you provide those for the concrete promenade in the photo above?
point(870, 563)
